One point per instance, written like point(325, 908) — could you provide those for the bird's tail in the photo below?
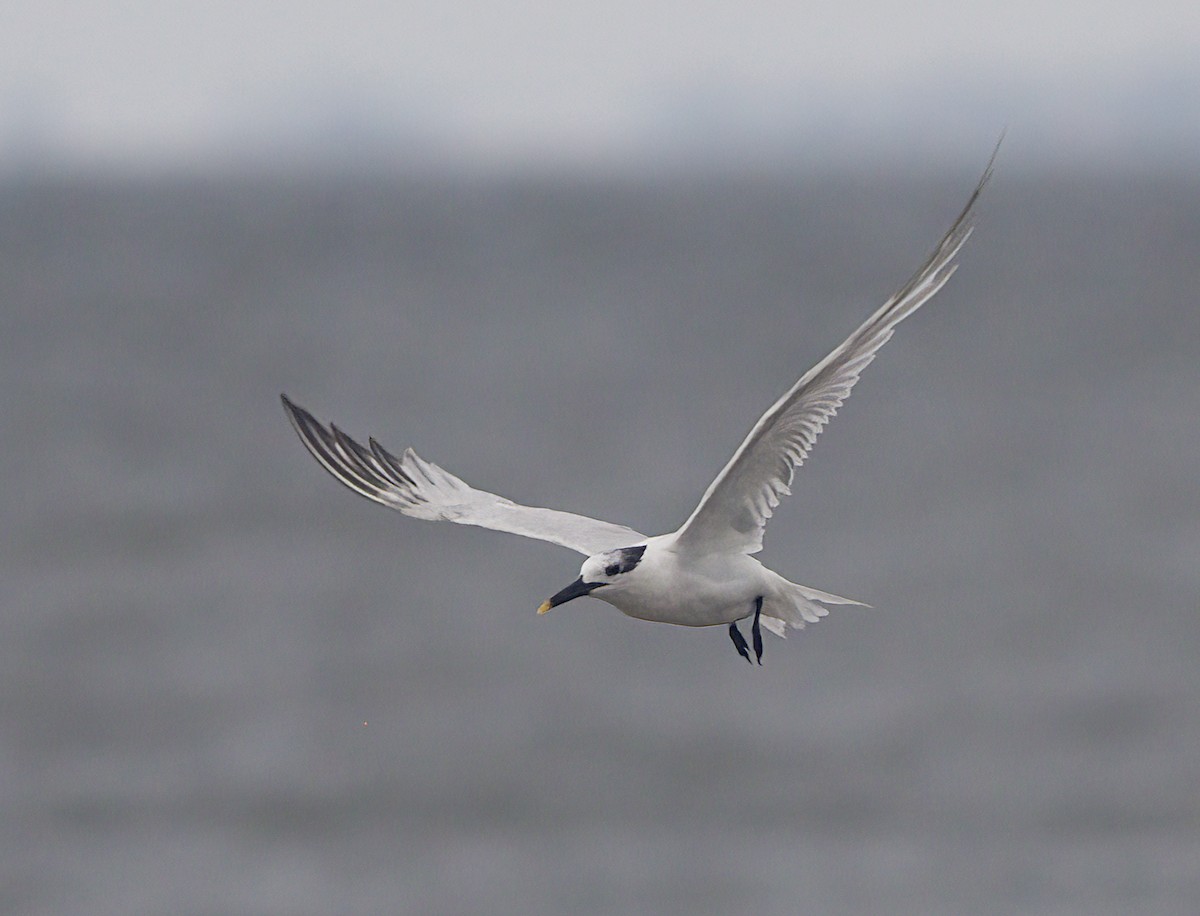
point(796, 605)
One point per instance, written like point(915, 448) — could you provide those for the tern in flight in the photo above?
point(704, 574)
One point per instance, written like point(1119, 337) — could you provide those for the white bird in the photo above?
point(705, 573)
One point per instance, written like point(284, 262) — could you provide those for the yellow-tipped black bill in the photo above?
point(574, 590)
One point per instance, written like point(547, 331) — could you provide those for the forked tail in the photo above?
point(796, 605)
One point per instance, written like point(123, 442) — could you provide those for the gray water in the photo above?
point(230, 686)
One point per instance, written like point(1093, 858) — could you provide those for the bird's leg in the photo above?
point(739, 641)
point(756, 630)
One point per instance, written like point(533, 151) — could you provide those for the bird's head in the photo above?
point(603, 570)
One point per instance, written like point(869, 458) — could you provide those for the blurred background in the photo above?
point(571, 252)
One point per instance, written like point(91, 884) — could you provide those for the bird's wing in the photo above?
point(735, 508)
point(423, 490)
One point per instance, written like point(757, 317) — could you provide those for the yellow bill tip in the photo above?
point(544, 606)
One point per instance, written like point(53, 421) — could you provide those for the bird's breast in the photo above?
point(701, 594)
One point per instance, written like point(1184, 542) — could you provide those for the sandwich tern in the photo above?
point(703, 574)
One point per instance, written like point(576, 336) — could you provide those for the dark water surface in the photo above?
point(229, 686)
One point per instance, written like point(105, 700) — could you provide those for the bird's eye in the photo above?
point(611, 570)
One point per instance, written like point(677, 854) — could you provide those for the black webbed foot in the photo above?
point(739, 642)
point(756, 630)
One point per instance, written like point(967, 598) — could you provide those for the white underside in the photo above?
point(669, 586)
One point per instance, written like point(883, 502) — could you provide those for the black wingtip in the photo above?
point(296, 413)
point(991, 163)
point(987, 171)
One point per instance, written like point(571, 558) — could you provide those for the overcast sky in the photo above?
point(172, 82)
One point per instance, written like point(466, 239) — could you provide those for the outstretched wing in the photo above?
point(423, 490)
point(735, 508)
